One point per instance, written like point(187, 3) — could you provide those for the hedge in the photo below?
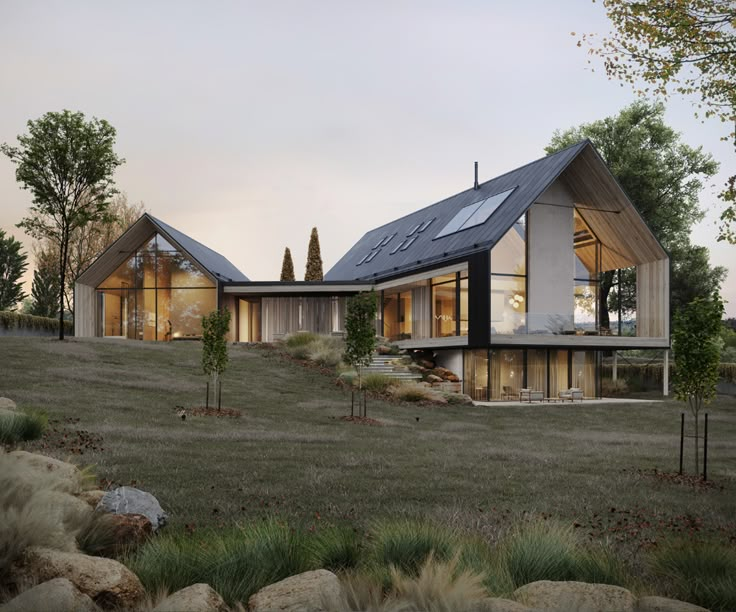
point(15, 320)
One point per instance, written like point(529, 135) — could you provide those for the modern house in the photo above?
point(500, 281)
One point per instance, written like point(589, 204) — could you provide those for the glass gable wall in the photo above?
point(156, 294)
point(508, 281)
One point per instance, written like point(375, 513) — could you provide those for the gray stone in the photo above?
point(563, 596)
point(196, 598)
point(663, 604)
point(316, 591)
point(7, 404)
point(497, 604)
point(57, 595)
point(129, 500)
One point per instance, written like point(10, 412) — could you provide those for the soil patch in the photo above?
point(361, 420)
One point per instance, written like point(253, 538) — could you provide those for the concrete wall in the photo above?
point(551, 258)
point(452, 360)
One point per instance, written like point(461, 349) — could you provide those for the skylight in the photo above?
point(474, 214)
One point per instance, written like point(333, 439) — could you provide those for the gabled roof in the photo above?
point(527, 184)
point(211, 262)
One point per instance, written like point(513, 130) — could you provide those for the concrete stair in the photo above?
point(381, 364)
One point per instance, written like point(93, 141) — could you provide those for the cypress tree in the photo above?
point(287, 267)
point(314, 259)
point(45, 289)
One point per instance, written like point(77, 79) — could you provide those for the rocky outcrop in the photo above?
point(106, 581)
point(92, 497)
point(65, 472)
point(663, 604)
point(7, 404)
point(128, 532)
point(564, 596)
point(57, 595)
point(316, 591)
point(196, 598)
point(129, 500)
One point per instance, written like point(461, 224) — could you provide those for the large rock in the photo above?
point(92, 497)
point(316, 591)
point(57, 595)
point(109, 583)
point(549, 595)
point(7, 404)
point(663, 604)
point(129, 500)
point(497, 604)
point(67, 474)
point(127, 532)
point(196, 598)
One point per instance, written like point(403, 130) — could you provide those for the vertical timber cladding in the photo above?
point(85, 311)
point(281, 316)
point(479, 299)
point(652, 299)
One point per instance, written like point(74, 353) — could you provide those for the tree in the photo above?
point(696, 344)
point(214, 346)
point(360, 331)
point(45, 288)
point(67, 163)
point(314, 259)
point(13, 264)
point(685, 46)
point(287, 267)
point(663, 177)
point(87, 243)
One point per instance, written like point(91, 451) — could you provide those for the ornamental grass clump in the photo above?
point(336, 548)
point(379, 383)
point(21, 426)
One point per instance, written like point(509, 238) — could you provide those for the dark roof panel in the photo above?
point(527, 183)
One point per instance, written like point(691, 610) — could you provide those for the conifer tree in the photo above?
point(287, 267)
point(314, 259)
point(45, 289)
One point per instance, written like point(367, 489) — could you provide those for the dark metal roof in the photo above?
point(213, 262)
point(528, 183)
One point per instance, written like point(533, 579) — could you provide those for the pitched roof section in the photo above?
point(213, 262)
point(384, 251)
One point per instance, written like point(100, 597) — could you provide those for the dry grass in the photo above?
point(288, 456)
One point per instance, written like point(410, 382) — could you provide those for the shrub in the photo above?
point(412, 393)
point(613, 387)
point(457, 399)
point(236, 562)
point(301, 339)
point(349, 378)
point(97, 534)
point(16, 320)
point(336, 548)
point(325, 355)
point(325, 351)
point(379, 383)
point(701, 573)
point(21, 426)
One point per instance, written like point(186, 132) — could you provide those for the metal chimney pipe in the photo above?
point(475, 185)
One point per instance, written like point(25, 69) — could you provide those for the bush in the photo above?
point(236, 562)
point(701, 573)
point(16, 320)
point(21, 426)
point(336, 548)
point(300, 339)
point(325, 351)
point(412, 393)
point(457, 399)
point(379, 383)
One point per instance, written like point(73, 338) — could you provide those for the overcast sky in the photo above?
point(245, 124)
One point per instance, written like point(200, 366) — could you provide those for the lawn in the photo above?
point(290, 455)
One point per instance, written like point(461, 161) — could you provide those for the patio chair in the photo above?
point(572, 394)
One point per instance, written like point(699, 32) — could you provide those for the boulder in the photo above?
point(433, 378)
point(129, 500)
point(7, 404)
point(663, 604)
point(109, 583)
point(57, 595)
point(497, 604)
point(196, 598)
point(45, 465)
point(91, 497)
point(316, 591)
point(453, 378)
point(550, 595)
point(129, 531)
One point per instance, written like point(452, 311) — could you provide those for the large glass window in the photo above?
point(507, 374)
point(156, 294)
point(508, 281)
point(586, 275)
point(444, 307)
point(475, 377)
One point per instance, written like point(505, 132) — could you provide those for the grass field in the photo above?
point(291, 456)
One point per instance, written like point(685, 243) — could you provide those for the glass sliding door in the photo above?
point(536, 370)
point(507, 374)
point(475, 377)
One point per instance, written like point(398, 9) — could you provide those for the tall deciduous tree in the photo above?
point(682, 46)
point(13, 264)
point(45, 289)
point(360, 331)
point(287, 267)
point(663, 177)
point(67, 163)
point(314, 259)
point(696, 342)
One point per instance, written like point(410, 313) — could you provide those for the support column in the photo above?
point(666, 373)
point(614, 373)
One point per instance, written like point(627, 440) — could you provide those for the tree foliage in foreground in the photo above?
point(360, 331)
point(696, 342)
point(45, 289)
point(214, 345)
point(13, 264)
point(682, 46)
point(67, 163)
point(663, 177)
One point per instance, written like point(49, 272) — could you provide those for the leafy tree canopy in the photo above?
point(663, 177)
point(360, 330)
point(13, 264)
point(682, 46)
point(287, 267)
point(67, 163)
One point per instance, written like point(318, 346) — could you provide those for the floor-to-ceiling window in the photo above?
point(507, 373)
point(156, 294)
point(508, 281)
point(475, 376)
point(586, 275)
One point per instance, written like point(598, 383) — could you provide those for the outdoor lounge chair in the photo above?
point(530, 395)
point(572, 394)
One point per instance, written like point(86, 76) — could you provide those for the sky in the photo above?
point(245, 124)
